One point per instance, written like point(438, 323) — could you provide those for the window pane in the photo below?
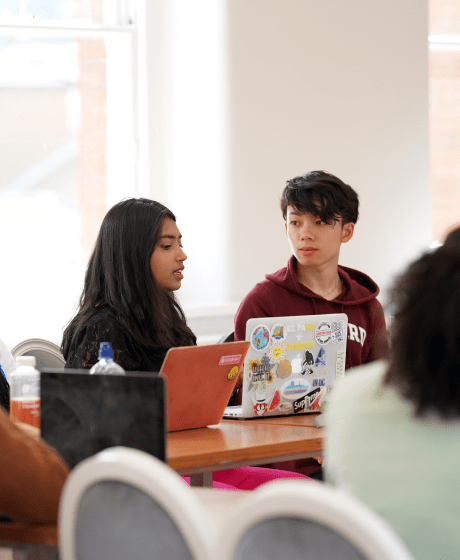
point(445, 138)
point(89, 11)
point(444, 17)
point(60, 142)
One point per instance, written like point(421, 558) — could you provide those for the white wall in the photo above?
point(339, 86)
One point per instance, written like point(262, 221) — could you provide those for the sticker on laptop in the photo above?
point(307, 363)
point(338, 331)
point(260, 409)
point(276, 399)
point(321, 358)
point(277, 351)
point(232, 373)
point(305, 402)
point(295, 388)
point(340, 364)
point(316, 404)
point(285, 407)
point(260, 338)
point(323, 333)
point(321, 382)
point(278, 333)
point(228, 360)
point(261, 370)
point(284, 369)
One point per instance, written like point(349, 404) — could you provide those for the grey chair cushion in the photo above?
point(45, 359)
point(292, 538)
point(116, 521)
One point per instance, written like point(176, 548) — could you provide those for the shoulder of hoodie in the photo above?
point(361, 287)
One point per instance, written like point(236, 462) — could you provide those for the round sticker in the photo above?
point(260, 337)
point(232, 373)
point(323, 333)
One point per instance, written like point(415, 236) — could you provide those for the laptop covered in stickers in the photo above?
point(199, 383)
point(291, 365)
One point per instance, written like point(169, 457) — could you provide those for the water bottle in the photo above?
point(25, 392)
point(106, 365)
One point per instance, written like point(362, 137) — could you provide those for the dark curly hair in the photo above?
point(425, 350)
point(322, 195)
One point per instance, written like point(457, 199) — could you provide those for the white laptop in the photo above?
point(291, 365)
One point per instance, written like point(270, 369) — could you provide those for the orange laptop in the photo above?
point(199, 383)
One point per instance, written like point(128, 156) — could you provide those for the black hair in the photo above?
point(119, 277)
point(322, 195)
point(425, 349)
point(453, 238)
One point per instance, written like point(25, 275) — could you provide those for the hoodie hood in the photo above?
point(357, 287)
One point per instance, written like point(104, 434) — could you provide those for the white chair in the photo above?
point(47, 354)
point(123, 504)
point(297, 520)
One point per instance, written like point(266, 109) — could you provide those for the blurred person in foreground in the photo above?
point(33, 475)
point(393, 429)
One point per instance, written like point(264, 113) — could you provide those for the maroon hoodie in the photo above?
point(281, 295)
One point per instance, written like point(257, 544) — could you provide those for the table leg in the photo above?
point(201, 479)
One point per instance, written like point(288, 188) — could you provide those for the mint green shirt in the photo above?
point(406, 469)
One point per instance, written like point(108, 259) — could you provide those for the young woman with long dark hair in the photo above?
point(128, 300)
point(128, 295)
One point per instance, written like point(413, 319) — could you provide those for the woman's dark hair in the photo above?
point(119, 277)
point(425, 351)
point(322, 195)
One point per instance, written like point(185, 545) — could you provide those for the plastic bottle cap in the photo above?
point(105, 351)
point(25, 361)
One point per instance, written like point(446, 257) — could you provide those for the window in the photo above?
point(67, 147)
point(444, 71)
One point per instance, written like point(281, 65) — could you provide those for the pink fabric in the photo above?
point(249, 478)
point(220, 485)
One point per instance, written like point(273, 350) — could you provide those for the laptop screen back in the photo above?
point(83, 414)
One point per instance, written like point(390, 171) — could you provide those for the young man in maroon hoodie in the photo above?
point(320, 212)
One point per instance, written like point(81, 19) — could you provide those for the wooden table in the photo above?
point(238, 443)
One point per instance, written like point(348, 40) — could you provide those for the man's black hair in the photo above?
point(322, 195)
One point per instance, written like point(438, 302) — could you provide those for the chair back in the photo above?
point(47, 354)
point(123, 503)
point(295, 520)
point(227, 337)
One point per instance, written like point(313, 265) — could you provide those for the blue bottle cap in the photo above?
point(105, 350)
